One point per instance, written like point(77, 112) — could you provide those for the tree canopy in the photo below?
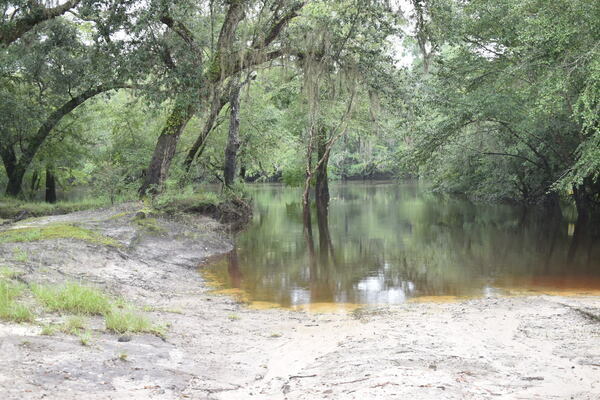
point(498, 100)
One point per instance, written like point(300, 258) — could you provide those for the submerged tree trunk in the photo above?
point(50, 186)
point(325, 245)
point(322, 182)
point(157, 171)
point(233, 139)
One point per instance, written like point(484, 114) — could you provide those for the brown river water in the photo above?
point(388, 243)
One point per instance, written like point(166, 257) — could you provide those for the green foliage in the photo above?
point(500, 102)
point(294, 175)
point(508, 110)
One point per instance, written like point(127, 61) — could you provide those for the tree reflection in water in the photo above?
point(386, 243)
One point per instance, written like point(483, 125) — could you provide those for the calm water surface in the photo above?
point(389, 242)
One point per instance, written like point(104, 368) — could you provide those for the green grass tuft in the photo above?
point(73, 298)
point(186, 202)
point(84, 338)
point(57, 231)
point(150, 225)
point(19, 255)
point(9, 309)
point(127, 321)
point(74, 325)
point(9, 273)
point(48, 330)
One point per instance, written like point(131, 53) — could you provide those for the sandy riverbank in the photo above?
point(545, 347)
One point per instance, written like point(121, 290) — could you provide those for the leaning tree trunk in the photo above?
point(233, 139)
point(157, 171)
point(50, 186)
point(216, 104)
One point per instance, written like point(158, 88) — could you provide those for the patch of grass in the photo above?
point(10, 310)
point(275, 335)
point(56, 231)
point(48, 330)
point(150, 225)
point(73, 298)
point(127, 321)
point(85, 338)
point(119, 215)
point(186, 202)
point(9, 273)
point(123, 356)
point(73, 325)
point(233, 317)
point(18, 254)
point(11, 208)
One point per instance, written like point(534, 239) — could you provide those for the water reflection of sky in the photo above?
point(373, 290)
point(387, 243)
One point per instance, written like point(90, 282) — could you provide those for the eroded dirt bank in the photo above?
point(542, 347)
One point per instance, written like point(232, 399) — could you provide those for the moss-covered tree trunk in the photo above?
point(158, 170)
point(233, 138)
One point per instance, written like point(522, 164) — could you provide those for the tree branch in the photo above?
point(181, 30)
point(15, 30)
point(54, 118)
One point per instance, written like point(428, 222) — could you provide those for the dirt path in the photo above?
point(502, 348)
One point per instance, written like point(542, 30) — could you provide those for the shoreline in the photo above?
point(215, 347)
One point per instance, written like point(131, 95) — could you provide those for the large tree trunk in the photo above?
point(13, 171)
point(322, 182)
point(157, 171)
point(587, 201)
point(233, 139)
point(50, 186)
point(15, 179)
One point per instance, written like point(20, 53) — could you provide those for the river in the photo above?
point(387, 243)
